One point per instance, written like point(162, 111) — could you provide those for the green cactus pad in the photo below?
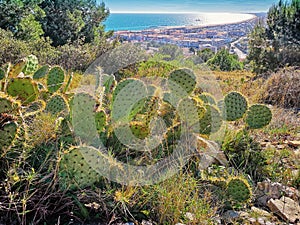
point(211, 122)
point(139, 129)
point(25, 89)
point(31, 65)
point(41, 72)
point(8, 132)
point(75, 170)
point(208, 98)
point(235, 106)
point(239, 190)
point(35, 107)
point(7, 104)
point(57, 104)
point(190, 112)
point(101, 120)
point(2, 74)
point(182, 82)
point(17, 69)
point(258, 116)
point(128, 99)
point(55, 79)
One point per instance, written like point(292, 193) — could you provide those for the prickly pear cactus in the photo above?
point(15, 70)
point(57, 104)
point(182, 82)
point(239, 191)
point(258, 116)
point(2, 74)
point(75, 170)
point(55, 79)
point(129, 98)
point(235, 106)
point(208, 98)
point(191, 112)
point(7, 104)
point(211, 122)
point(41, 72)
point(8, 131)
point(139, 129)
point(101, 120)
point(25, 89)
point(31, 65)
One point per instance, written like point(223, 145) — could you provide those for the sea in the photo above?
point(142, 21)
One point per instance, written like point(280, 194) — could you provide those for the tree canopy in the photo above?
point(276, 43)
point(225, 61)
point(63, 21)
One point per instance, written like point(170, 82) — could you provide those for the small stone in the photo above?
point(294, 143)
point(260, 212)
point(252, 220)
point(280, 147)
point(261, 221)
point(190, 216)
point(144, 222)
point(286, 208)
point(230, 216)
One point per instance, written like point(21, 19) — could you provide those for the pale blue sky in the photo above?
point(189, 5)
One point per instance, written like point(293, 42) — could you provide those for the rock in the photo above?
point(144, 222)
point(280, 147)
point(286, 208)
point(261, 221)
point(261, 212)
point(190, 216)
point(267, 190)
point(230, 216)
point(211, 155)
point(294, 143)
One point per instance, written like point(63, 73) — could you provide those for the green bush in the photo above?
point(224, 61)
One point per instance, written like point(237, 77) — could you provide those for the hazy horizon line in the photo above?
point(194, 12)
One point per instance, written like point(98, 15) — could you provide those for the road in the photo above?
point(237, 51)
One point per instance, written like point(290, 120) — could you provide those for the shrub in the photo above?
point(283, 89)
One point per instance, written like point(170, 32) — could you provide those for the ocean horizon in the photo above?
point(142, 21)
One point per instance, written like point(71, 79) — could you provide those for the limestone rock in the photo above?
point(286, 208)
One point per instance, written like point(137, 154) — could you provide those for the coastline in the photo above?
point(206, 25)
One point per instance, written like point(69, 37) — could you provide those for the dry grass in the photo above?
point(283, 89)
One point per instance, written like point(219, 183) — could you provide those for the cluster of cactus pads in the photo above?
point(27, 89)
point(130, 107)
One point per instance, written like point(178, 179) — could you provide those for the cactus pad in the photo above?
point(101, 120)
point(211, 121)
point(182, 82)
point(17, 69)
point(239, 190)
point(24, 89)
point(7, 104)
point(258, 116)
point(31, 65)
point(55, 79)
point(2, 74)
point(57, 104)
point(190, 112)
point(139, 129)
point(8, 132)
point(41, 72)
point(128, 99)
point(75, 170)
point(208, 98)
point(235, 106)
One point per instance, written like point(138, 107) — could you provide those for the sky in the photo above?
point(170, 6)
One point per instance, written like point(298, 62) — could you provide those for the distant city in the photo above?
point(231, 36)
